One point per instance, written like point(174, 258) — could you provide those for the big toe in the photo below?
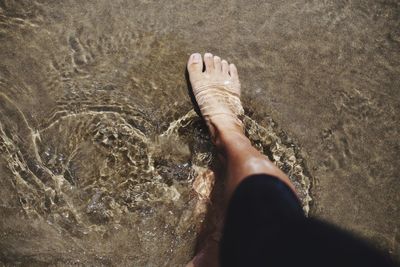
point(195, 66)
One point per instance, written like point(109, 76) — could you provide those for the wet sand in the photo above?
point(104, 162)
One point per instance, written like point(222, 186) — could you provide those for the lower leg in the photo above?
point(217, 93)
point(241, 158)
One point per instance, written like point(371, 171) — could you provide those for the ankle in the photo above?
point(226, 137)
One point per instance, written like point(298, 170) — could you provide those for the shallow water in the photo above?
point(103, 160)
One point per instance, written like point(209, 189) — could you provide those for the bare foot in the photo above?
point(217, 93)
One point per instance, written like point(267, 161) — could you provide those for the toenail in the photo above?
point(196, 57)
point(207, 55)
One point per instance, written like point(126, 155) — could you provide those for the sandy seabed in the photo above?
point(104, 162)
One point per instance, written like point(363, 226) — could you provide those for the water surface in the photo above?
point(103, 160)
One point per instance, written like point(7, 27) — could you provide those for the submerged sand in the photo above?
point(104, 162)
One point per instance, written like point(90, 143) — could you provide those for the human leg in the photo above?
point(217, 92)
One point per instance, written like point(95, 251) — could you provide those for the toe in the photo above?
point(225, 66)
point(195, 64)
point(217, 63)
point(209, 61)
point(233, 71)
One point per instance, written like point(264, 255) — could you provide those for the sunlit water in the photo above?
point(103, 160)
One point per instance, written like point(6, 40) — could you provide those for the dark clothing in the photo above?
point(266, 226)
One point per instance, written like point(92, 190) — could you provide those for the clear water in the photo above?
point(103, 160)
